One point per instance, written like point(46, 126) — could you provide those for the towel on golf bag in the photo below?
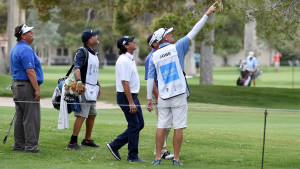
point(57, 94)
point(63, 121)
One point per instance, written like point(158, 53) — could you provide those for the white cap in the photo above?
point(159, 34)
point(251, 53)
point(25, 29)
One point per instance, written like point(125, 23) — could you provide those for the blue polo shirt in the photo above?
point(251, 65)
point(22, 57)
point(182, 46)
point(147, 66)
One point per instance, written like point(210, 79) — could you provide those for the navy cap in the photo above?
point(124, 41)
point(87, 34)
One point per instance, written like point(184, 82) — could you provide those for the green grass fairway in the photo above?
point(223, 76)
point(219, 138)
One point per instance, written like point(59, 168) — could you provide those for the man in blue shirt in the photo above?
point(168, 64)
point(165, 153)
point(27, 75)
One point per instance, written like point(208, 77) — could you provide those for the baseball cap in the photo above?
point(159, 34)
point(251, 53)
point(25, 29)
point(124, 40)
point(87, 34)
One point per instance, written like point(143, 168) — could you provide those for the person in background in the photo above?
point(252, 67)
point(277, 57)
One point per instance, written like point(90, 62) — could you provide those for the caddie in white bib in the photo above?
point(91, 78)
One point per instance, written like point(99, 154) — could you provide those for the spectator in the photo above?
point(277, 57)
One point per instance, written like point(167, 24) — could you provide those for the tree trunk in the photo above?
point(101, 56)
point(13, 20)
point(189, 61)
point(50, 55)
point(88, 18)
point(207, 50)
point(2, 62)
point(250, 35)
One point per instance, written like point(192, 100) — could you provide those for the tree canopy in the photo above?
point(277, 20)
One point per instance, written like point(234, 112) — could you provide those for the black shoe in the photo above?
point(74, 146)
point(137, 160)
point(113, 151)
point(34, 151)
point(90, 143)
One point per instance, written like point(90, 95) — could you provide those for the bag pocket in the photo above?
point(92, 92)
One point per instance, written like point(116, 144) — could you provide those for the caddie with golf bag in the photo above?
point(249, 71)
point(86, 68)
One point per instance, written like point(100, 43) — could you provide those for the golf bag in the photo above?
point(57, 94)
point(245, 77)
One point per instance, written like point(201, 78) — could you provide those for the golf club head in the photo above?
point(5, 138)
point(9, 87)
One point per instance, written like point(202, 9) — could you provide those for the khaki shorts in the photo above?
point(175, 113)
point(87, 108)
point(276, 65)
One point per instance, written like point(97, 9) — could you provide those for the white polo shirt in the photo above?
point(126, 70)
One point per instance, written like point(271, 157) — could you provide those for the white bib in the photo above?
point(92, 78)
point(171, 81)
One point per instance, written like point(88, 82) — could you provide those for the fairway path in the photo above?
point(47, 103)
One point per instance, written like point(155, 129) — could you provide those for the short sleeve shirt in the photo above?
point(147, 66)
point(251, 64)
point(126, 70)
point(23, 57)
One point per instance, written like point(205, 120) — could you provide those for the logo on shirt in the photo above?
point(169, 72)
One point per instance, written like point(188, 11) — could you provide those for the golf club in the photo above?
point(9, 129)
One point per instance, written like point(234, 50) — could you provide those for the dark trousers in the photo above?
point(28, 117)
point(135, 125)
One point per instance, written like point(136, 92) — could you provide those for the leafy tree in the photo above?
point(46, 35)
point(276, 19)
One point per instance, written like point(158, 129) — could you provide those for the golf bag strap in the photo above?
point(69, 71)
point(71, 68)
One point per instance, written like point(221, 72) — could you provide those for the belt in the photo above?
point(132, 94)
point(24, 81)
point(21, 81)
